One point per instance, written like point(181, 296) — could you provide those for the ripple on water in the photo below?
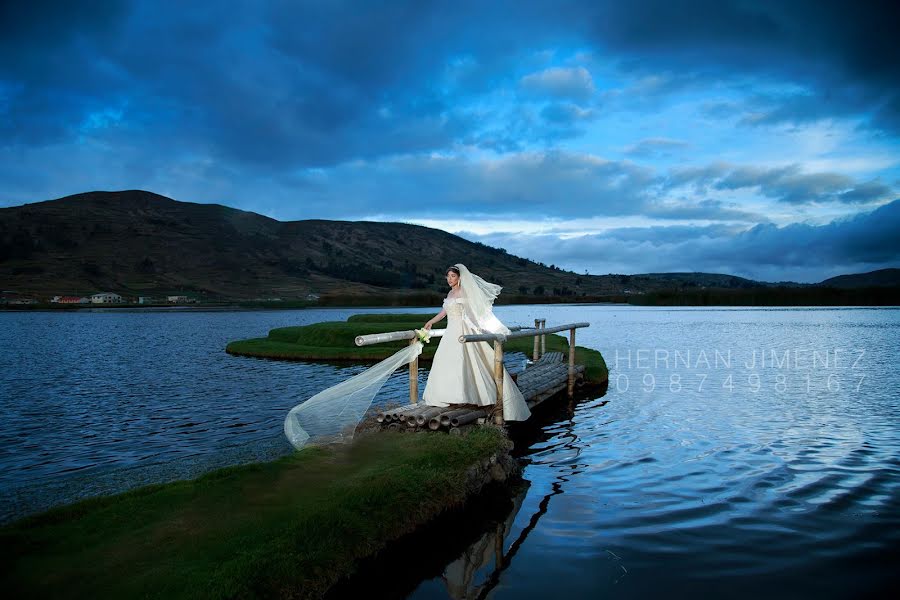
point(646, 491)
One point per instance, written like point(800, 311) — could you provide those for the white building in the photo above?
point(106, 298)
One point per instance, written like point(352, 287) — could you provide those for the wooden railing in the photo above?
point(538, 332)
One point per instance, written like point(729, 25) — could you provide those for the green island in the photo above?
point(293, 527)
point(335, 340)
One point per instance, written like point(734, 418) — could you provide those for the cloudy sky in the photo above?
point(755, 138)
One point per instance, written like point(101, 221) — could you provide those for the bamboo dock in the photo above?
point(547, 374)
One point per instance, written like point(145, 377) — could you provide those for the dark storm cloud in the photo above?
point(315, 84)
point(798, 252)
point(274, 85)
point(785, 184)
point(50, 68)
point(843, 52)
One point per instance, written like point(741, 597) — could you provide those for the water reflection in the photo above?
point(461, 577)
point(479, 568)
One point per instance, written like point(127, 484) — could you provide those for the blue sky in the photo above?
point(757, 139)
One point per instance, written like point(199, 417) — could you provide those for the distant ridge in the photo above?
point(879, 278)
point(136, 242)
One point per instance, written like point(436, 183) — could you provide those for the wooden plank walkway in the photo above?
point(539, 381)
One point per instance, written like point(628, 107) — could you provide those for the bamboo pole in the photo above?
point(467, 418)
point(543, 337)
point(498, 381)
point(414, 377)
point(490, 337)
point(535, 355)
point(393, 336)
point(393, 414)
point(411, 414)
point(571, 382)
point(426, 415)
point(445, 417)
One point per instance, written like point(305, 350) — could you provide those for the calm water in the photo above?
point(737, 452)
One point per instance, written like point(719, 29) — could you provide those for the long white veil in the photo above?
point(334, 413)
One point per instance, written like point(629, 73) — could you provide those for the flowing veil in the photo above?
point(480, 296)
point(334, 413)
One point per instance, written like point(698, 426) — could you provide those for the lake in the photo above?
point(736, 452)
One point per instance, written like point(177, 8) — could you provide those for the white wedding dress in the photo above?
point(460, 374)
point(463, 373)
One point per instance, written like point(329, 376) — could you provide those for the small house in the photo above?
point(106, 298)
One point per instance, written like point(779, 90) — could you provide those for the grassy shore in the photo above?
point(288, 528)
point(334, 340)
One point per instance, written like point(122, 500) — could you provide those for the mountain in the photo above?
point(140, 243)
point(879, 278)
point(687, 280)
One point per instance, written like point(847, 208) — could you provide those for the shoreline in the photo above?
point(296, 525)
point(237, 307)
point(891, 301)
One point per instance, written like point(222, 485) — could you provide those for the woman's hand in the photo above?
point(428, 325)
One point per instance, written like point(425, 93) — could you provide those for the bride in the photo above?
point(460, 374)
point(463, 373)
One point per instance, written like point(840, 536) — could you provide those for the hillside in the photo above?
point(139, 243)
point(879, 278)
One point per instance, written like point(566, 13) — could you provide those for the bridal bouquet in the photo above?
point(423, 335)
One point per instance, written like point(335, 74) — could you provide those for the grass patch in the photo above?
point(291, 527)
point(335, 340)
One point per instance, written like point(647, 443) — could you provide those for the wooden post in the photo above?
point(414, 377)
point(535, 355)
point(543, 337)
point(498, 381)
point(571, 362)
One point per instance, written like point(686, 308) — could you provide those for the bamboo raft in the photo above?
point(546, 375)
point(537, 382)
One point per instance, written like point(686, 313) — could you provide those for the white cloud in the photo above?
point(562, 82)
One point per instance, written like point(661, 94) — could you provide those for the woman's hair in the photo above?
point(454, 269)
